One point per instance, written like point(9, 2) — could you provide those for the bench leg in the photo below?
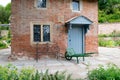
point(77, 60)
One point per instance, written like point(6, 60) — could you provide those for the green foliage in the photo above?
point(117, 42)
point(9, 34)
point(5, 41)
point(26, 74)
point(113, 34)
point(37, 76)
point(10, 72)
point(102, 35)
point(5, 13)
point(4, 28)
point(106, 43)
point(57, 76)
point(2, 45)
point(109, 11)
point(111, 42)
point(111, 72)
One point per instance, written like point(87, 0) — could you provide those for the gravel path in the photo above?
point(106, 55)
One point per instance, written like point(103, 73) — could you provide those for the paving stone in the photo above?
point(78, 70)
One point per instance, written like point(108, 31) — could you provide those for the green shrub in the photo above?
point(10, 72)
point(111, 72)
point(4, 28)
point(110, 43)
point(3, 73)
point(113, 34)
point(2, 45)
point(102, 35)
point(117, 42)
point(7, 40)
point(106, 43)
point(101, 42)
point(26, 73)
point(3, 38)
point(9, 34)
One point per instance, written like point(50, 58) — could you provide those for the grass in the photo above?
point(112, 41)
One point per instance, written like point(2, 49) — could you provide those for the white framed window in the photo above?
point(76, 5)
point(40, 33)
point(41, 3)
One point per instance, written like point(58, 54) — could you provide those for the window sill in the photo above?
point(41, 8)
point(76, 11)
point(42, 42)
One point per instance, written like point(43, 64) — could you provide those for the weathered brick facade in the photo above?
point(57, 13)
point(108, 28)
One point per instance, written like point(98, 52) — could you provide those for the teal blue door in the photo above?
point(76, 38)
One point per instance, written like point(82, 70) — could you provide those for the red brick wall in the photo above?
point(108, 28)
point(57, 12)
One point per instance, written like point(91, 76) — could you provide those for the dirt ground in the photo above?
point(106, 55)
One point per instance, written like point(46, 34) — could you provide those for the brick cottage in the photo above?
point(50, 25)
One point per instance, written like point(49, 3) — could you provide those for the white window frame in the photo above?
point(80, 6)
point(32, 33)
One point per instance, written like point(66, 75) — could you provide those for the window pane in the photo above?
point(46, 33)
point(37, 33)
point(41, 3)
point(75, 5)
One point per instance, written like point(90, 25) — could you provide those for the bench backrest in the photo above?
point(70, 51)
